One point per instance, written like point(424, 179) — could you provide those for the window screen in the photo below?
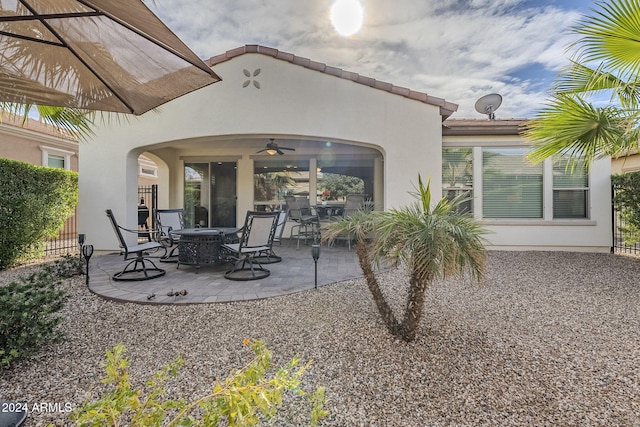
point(457, 176)
point(511, 185)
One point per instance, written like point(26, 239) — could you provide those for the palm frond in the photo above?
point(578, 79)
point(70, 121)
point(571, 126)
point(612, 35)
point(433, 242)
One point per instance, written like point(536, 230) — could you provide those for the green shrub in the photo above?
point(67, 266)
point(627, 202)
point(245, 398)
point(35, 201)
point(27, 311)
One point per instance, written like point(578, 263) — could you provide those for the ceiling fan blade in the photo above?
point(280, 152)
point(287, 148)
point(260, 151)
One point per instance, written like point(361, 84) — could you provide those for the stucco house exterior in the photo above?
point(37, 143)
point(207, 148)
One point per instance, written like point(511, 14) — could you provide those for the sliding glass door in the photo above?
point(210, 194)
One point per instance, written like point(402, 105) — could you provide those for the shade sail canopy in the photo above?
point(110, 55)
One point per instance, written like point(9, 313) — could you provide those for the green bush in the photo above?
point(35, 201)
point(28, 307)
point(245, 398)
point(627, 202)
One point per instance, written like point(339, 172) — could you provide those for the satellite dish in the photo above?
point(488, 104)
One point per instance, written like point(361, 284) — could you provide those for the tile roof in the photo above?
point(446, 108)
point(35, 125)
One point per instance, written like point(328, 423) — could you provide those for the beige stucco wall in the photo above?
point(229, 120)
point(27, 145)
point(626, 164)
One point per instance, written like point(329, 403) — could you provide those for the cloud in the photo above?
point(454, 49)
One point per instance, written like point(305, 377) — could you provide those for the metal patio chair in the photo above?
point(140, 270)
point(269, 256)
point(257, 237)
point(307, 220)
point(168, 221)
point(353, 203)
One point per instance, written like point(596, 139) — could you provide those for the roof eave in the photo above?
point(482, 127)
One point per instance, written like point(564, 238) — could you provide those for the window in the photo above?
point(570, 189)
point(147, 167)
point(511, 185)
point(55, 157)
point(54, 161)
point(338, 177)
point(274, 178)
point(457, 176)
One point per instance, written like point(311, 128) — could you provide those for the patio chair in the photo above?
point(140, 262)
point(353, 203)
point(269, 256)
point(168, 221)
point(257, 237)
point(307, 220)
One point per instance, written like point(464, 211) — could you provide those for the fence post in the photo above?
point(613, 219)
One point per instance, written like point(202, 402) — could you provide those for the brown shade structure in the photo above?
point(109, 55)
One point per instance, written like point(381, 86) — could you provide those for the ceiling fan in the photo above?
point(272, 149)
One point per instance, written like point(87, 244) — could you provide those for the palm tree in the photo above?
point(607, 62)
point(430, 242)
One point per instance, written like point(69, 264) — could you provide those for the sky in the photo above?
point(459, 50)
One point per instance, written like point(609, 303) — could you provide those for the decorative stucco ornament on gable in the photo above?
point(251, 78)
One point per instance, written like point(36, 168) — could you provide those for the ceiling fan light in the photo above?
point(272, 152)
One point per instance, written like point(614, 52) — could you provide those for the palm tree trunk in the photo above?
point(415, 305)
point(385, 310)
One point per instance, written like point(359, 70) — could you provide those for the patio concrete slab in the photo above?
point(207, 285)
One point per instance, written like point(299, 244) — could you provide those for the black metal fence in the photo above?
point(620, 237)
point(67, 240)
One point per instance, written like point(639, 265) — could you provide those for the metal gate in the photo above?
point(147, 205)
point(619, 234)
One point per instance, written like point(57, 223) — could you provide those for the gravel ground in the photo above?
point(550, 339)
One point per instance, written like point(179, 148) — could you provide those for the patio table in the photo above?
point(329, 210)
point(199, 246)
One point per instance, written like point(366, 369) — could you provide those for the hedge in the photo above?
point(35, 202)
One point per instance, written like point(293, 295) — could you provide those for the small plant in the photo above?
point(67, 266)
point(28, 318)
point(245, 398)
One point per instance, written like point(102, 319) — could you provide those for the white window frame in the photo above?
point(144, 166)
point(540, 170)
point(586, 189)
point(459, 188)
point(53, 151)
